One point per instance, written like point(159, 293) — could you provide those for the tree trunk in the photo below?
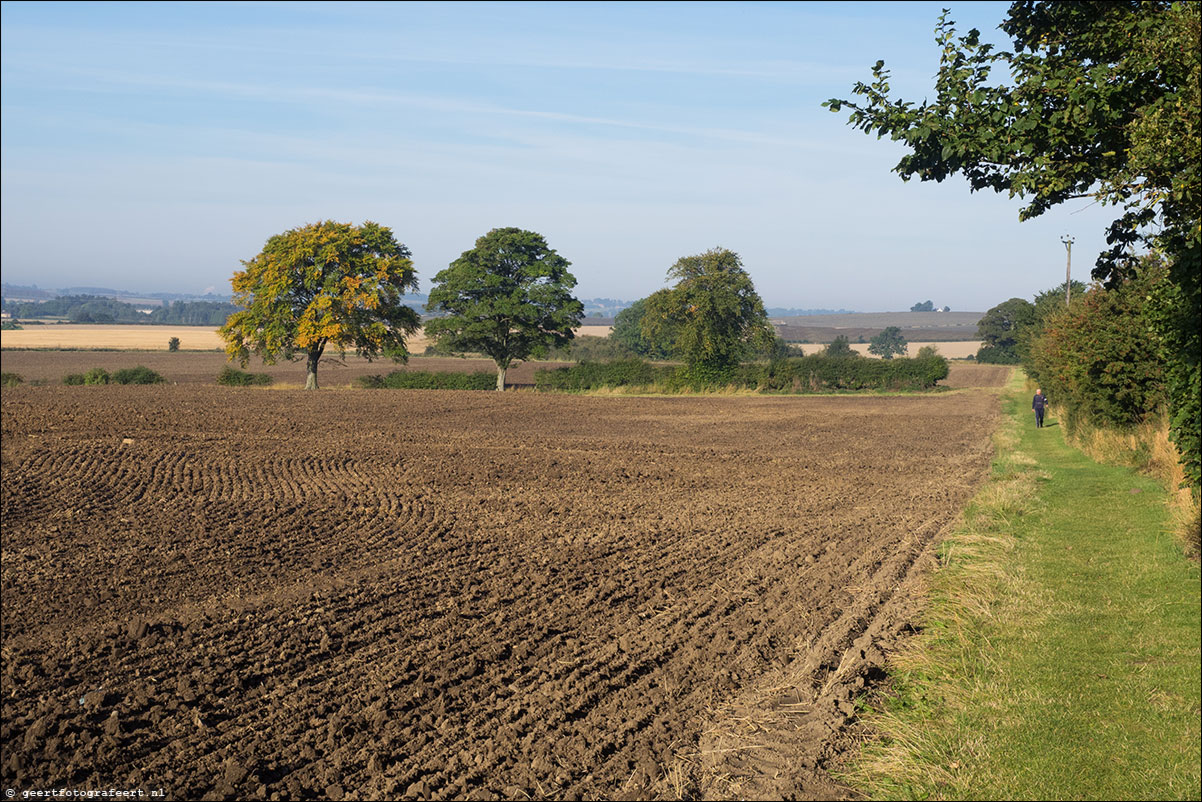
point(501, 378)
point(311, 376)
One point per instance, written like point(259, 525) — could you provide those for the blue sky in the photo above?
point(154, 146)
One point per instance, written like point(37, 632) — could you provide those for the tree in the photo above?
point(923, 306)
point(1097, 100)
point(1002, 329)
point(1096, 357)
point(713, 314)
point(508, 297)
point(628, 333)
point(888, 344)
point(839, 348)
point(323, 284)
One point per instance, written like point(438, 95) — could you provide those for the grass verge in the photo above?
point(1060, 656)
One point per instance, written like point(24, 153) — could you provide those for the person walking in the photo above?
point(1038, 403)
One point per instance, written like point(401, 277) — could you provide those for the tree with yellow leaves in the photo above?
point(323, 284)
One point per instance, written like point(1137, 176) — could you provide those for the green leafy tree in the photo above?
point(839, 347)
point(508, 298)
point(628, 333)
point(713, 315)
point(923, 306)
point(1002, 329)
point(1045, 304)
point(1096, 100)
point(1099, 358)
point(888, 344)
point(322, 285)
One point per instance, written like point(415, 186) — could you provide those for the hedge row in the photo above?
point(429, 380)
point(138, 375)
point(819, 373)
point(595, 375)
point(810, 374)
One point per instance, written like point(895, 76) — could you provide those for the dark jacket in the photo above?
point(1039, 401)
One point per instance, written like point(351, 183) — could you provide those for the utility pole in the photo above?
point(1068, 269)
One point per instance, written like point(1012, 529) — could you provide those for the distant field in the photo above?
point(199, 338)
point(154, 338)
point(951, 350)
point(905, 320)
point(79, 335)
point(140, 338)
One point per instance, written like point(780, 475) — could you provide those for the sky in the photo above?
point(154, 147)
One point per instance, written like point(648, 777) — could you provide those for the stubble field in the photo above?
point(231, 593)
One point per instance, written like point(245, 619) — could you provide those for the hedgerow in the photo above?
point(429, 380)
point(810, 374)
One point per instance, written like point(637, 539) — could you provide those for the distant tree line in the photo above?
point(97, 309)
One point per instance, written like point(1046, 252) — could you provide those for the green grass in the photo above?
point(1060, 657)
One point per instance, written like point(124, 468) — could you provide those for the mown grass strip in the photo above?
point(1060, 657)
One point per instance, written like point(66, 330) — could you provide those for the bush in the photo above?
point(815, 373)
point(10, 379)
point(994, 355)
point(1098, 358)
point(173, 344)
point(139, 375)
point(588, 348)
point(429, 380)
point(232, 377)
point(821, 373)
point(595, 375)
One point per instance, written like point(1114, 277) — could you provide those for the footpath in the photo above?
point(1061, 657)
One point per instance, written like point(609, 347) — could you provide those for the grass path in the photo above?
point(1061, 656)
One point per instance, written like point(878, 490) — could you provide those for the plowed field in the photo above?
point(237, 593)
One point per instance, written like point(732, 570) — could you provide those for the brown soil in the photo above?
point(233, 593)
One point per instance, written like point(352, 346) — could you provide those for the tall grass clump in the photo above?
point(8, 379)
point(428, 380)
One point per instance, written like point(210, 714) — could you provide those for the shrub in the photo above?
point(173, 344)
point(139, 375)
point(818, 373)
point(73, 379)
point(1099, 359)
point(96, 376)
point(429, 380)
point(595, 375)
point(814, 373)
point(232, 377)
point(8, 379)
